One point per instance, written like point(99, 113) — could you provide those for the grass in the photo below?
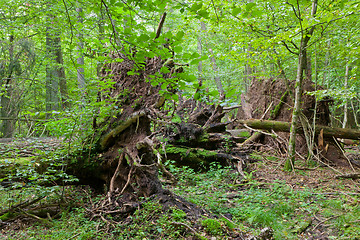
point(241, 206)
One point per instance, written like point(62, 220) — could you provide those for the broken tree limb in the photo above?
point(285, 127)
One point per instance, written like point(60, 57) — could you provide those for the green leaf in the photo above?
point(196, 6)
point(213, 93)
point(163, 86)
point(175, 97)
point(178, 49)
point(143, 38)
point(203, 13)
point(249, 6)
point(179, 35)
point(235, 11)
point(195, 62)
point(164, 70)
point(197, 96)
point(195, 55)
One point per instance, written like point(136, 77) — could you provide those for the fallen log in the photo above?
point(197, 158)
point(279, 126)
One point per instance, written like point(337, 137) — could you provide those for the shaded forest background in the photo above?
point(52, 53)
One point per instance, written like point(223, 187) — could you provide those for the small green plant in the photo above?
point(212, 226)
point(178, 214)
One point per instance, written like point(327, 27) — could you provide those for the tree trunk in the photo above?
point(52, 68)
point(62, 77)
point(80, 59)
point(7, 100)
point(345, 133)
point(200, 51)
point(289, 165)
point(215, 68)
point(346, 100)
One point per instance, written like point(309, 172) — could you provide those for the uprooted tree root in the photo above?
point(266, 100)
point(126, 155)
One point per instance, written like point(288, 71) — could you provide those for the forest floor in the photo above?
point(310, 203)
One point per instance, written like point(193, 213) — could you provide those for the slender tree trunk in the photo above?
point(346, 101)
point(200, 51)
point(289, 164)
point(80, 59)
point(327, 62)
point(7, 101)
point(101, 18)
point(215, 68)
point(62, 77)
point(248, 71)
point(52, 73)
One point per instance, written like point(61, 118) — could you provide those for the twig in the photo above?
point(186, 226)
point(262, 117)
point(231, 108)
point(325, 221)
point(128, 180)
point(256, 130)
point(342, 151)
point(74, 236)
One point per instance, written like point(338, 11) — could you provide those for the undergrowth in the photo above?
point(252, 205)
point(239, 205)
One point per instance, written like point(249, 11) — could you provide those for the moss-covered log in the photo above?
point(285, 127)
point(196, 158)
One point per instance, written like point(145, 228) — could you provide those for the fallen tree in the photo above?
point(124, 154)
point(280, 126)
point(266, 99)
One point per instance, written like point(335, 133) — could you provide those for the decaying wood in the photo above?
point(285, 127)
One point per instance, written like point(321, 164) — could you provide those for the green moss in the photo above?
point(192, 157)
point(19, 161)
point(189, 152)
point(204, 137)
point(6, 216)
point(212, 226)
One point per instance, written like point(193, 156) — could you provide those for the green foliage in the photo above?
point(152, 222)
